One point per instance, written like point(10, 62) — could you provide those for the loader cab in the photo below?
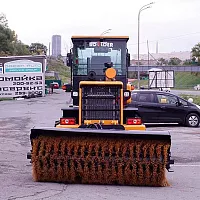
point(88, 57)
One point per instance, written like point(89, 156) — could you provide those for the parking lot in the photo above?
point(18, 117)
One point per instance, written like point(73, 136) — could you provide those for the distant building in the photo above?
point(182, 55)
point(56, 45)
point(154, 57)
point(144, 62)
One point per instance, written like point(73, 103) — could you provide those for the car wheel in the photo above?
point(192, 120)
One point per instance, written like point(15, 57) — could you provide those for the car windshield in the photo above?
point(93, 55)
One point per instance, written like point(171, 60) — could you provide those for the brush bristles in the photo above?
point(100, 161)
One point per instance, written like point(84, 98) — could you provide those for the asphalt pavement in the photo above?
point(18, 117)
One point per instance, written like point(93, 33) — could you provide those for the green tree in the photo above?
point(20, 48)
point(6, 36)
point(9, 43)
point(3, 20)
point(187, 62)
point(6, 40)
point(174, 61)
point(196, 53)
point(162, 61)
point(38, 49)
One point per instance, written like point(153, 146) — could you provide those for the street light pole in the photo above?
point(107, 31)
point(141, 9)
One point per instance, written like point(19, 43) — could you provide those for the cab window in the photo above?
point(91, 56)
point(167, 99)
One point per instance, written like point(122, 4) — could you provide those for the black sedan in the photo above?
point(162, 107)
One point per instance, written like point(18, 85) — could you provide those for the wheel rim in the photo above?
point(193, 120)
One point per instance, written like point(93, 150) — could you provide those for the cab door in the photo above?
point(147, 106)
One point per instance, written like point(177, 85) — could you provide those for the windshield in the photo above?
point(92, 55)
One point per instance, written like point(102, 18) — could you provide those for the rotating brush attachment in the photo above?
point(93, 160)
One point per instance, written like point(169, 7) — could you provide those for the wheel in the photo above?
point(192, 120)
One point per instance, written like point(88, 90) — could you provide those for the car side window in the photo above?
point(167, 99)
point(146, 97)
point(183, 102)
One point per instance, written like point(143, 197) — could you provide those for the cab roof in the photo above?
point(99, 37)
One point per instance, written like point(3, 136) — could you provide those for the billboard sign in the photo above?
point(22, 76)
point(22, 66)
point(50, 74)
point(161, 79)
point(16, 85)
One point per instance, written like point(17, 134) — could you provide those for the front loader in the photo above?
point(100, 140)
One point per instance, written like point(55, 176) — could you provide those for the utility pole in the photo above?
point(141, 9)
point(49, 50)
point(106, 31)
point(157, 47)
point(148, 51)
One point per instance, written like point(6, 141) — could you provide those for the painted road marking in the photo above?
point(186, 165)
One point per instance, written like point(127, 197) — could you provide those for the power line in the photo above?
point(175, 37)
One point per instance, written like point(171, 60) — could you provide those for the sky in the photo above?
point(173, 24)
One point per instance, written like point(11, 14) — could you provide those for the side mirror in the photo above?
point(128, 59)
point(179, 103)
point(69, 59)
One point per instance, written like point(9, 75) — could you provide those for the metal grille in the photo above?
point(100, 102)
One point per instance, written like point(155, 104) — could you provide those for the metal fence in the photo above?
point(144, 68)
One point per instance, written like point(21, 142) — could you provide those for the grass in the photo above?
point(58, 66)
point(142, 83)
point(183, 80)
point(6, 99)
point(196, 98)
point(186, 80)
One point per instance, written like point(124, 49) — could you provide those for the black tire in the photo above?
point(192, 120)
